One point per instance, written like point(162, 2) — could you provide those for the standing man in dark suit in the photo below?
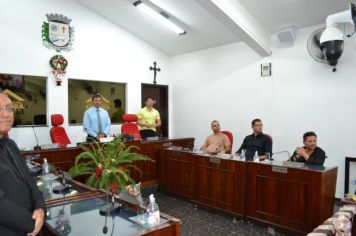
point(257, 141)
point(21, 204)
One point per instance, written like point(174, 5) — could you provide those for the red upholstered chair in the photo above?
point(270, 138)
point(58, 133)
point(129, 125)
point(230, 136)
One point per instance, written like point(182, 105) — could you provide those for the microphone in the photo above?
point(37, 147)
point(283, 152)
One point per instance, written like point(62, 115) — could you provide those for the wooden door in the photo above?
point(159, 93)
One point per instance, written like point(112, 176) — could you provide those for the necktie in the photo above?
point(100, 129)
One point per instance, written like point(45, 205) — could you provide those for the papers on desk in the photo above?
point(49, 146)
point(293, 164)
point(106, 139)
point(176, 148)
point(224, 156)
point(145, 224)
point(49, 177)
point(219, 155)
point(154, 138)
point(198, 151)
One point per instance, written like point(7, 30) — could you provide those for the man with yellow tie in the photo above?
point(149, 119)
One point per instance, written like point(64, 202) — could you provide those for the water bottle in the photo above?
point(243, 155)
point(153, 216)
point(268, 156)
point(45, 167)
point(255, 157)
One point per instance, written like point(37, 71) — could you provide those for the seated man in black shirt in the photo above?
point(257, 141)
point(310, 153)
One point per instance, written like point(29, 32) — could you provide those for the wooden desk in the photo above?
point(295, 199)
point(64, 158)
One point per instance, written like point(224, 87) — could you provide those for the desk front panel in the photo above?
point(175, 173)
point(149, 169)
point(219, 184)
point(295, 200)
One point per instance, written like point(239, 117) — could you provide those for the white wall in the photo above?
point(102, 51)
point(224, 83)
point(220, 83)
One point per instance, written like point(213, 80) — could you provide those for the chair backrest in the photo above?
point(129, 125)
point(270, 138)
point(57, 132)
point(229, 135)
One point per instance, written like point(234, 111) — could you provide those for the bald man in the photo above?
point(217, 142)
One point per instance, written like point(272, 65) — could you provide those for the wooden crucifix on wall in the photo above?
point(155, 69)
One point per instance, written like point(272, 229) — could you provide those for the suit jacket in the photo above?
point(19, 195)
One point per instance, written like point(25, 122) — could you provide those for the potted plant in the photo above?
point(107, 165)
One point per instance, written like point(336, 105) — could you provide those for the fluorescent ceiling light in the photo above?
point(162, 17)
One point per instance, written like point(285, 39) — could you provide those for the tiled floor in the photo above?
point(198, 221)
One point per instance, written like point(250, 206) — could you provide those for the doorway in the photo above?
point(159, 93)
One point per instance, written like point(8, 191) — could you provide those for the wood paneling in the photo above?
point(216, 184)
point(297, 201)
point(176, 172)
point(62, 158)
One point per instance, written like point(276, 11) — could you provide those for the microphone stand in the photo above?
point(105, 228)
point(110, 208)
point(283, 152)
point(37, 147)
point(62, 223)
point(64, 187)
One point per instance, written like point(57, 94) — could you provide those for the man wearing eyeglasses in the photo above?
point(22, 207)
point(257, 141)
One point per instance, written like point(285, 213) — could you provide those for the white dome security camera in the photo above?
point(332, 39)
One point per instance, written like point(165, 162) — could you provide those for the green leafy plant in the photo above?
point(108, 165)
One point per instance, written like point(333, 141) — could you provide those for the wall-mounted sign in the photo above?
point(266, 69)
